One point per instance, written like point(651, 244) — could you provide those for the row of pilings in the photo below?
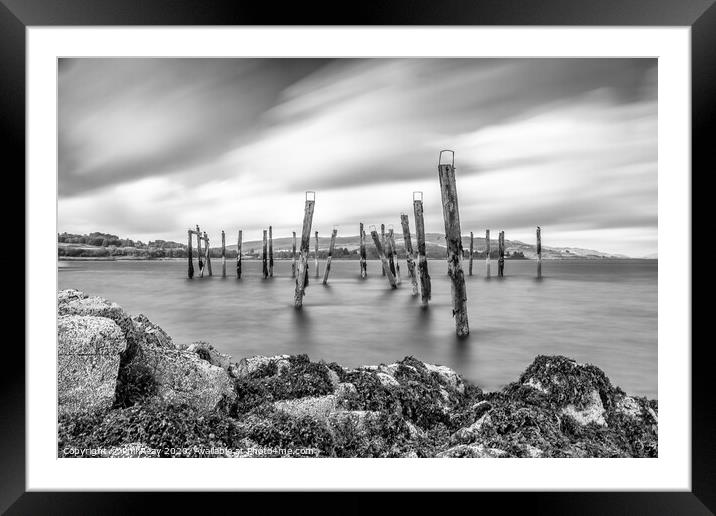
point(417, 263)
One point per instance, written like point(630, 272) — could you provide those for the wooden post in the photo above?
point(293, 257)
point(409, 252)
point(330, 254)
point(198, 250)
point(271, 251)
point(363, 263)
point(453, 239)
point(382, 240)
point(425, 287)
point(383, 258)
point(305, 243)
point(315, 255)
point(238, 255)
point(189, 252)
point(471, 251)
point(208, 253)
point(501, 256)
point(264, 257)
point(223, 254)
point(388, 246)
point(487, 250)
point(394, 256)
point(539, 252)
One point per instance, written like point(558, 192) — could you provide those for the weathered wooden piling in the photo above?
point(383, 257)
point(198, 250)
point(223, 254)
point(425, 287)
point(315, 255)
point(264, 256)
point(270, 249)
point(302, 276)
point(472, 250)
point(327, 270)
point(453, 239)
point(382, 241)
point(293, 257)
point(208, 253)
point(410, 256)
point(238, 254)
point(394, 255)
point(539, 252)
point(501, 254)
point(388, 246)
point(363, 261)
point(190, 271)
point(487, 250)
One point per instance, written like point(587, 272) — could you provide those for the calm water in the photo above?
point(601, 312)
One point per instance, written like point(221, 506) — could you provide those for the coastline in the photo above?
point(127, 390)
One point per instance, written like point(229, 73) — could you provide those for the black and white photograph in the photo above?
point(357, 257)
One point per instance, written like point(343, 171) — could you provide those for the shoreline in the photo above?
point(120, 376)
point(233, 260)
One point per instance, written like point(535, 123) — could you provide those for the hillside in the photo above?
point(435, 247)
point(106, 246)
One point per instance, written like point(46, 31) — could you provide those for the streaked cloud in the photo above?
point(149, 147)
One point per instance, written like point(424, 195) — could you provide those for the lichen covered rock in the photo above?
point(88, 352)
point(247, 366)
point(152, 333)
point(193, 398)
point(181, 377)
point(70, 294)
point(207, 352)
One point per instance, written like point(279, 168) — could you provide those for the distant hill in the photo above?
point(436, 247)
point(105, 245)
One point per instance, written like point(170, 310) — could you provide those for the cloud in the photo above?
point(158, 145)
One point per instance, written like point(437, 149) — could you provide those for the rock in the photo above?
point(358, 417)
point(472, 451)
point(282, 366)
point(180, 376)
point(536, 385)
point(628, 406)
point(251, 364)
point(333, 377)
point(414, 431)
point(207, 352)
point(153, 334)
point(470, 433)
point(344, 392)
point(70, 294)
point(319, 407)
point(88, 351)
point(480, 408)
point(100, 307)
point(591, 412)
point(447, 376)
point(531, 451)
point(345, 389)
point(387, 380)
point(582, 390)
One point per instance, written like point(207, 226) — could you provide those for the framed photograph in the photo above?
point(419, 252)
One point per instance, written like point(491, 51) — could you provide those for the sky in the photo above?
point(151, 147)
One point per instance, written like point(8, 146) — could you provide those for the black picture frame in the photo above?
point(17, 15)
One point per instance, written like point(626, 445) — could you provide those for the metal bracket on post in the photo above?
point(440, 158)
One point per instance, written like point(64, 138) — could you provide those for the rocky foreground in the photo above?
point(127, 390)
